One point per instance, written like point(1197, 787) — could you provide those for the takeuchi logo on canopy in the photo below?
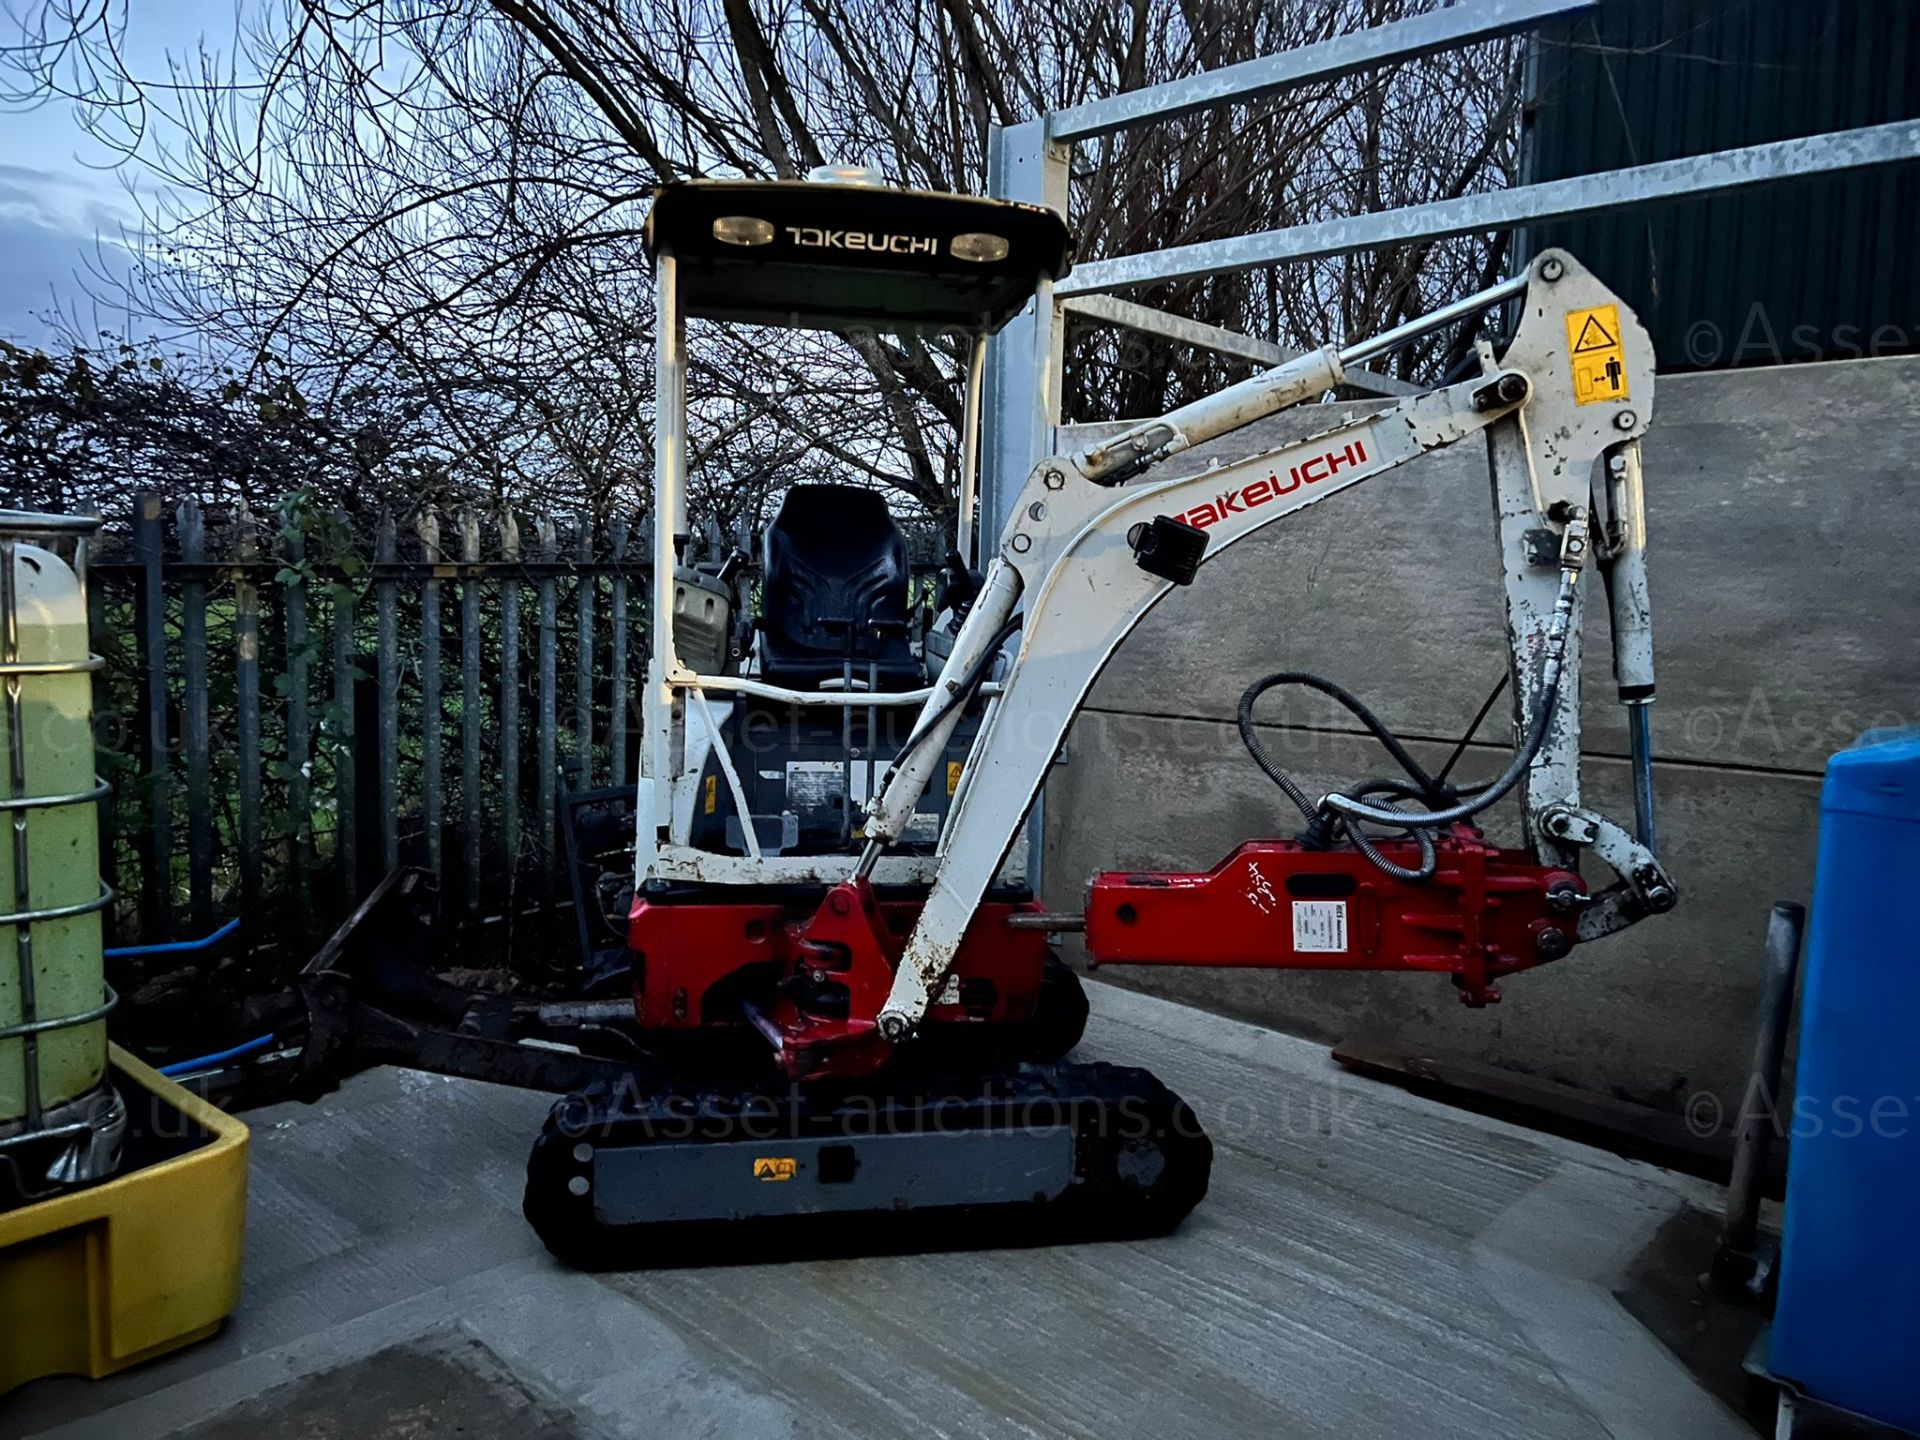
point(813, 237)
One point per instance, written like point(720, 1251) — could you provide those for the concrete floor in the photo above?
point(1367, 1264)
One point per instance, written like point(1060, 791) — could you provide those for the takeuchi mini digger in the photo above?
point(852, 1019)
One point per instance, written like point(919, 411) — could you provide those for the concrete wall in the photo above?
point(1782, 529)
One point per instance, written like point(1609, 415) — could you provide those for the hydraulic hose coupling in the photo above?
point(1573, 558)
point(1573, 544)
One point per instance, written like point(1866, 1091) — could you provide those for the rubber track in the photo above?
point(1141, 1163)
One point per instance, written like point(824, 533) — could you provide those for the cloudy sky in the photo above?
point(61, 212)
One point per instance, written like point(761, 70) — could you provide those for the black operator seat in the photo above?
point(834, 592)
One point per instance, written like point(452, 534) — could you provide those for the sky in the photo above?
point(61, 211)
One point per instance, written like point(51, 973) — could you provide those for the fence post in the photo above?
point(193, 644)
point(617, 668)
point(510, 693)
point(246, 684)
point(470, 703)
point(583, 660)
point(156, 890)
point(346, 849)
point(386, 551)
point(299, 721)
point(544, 750)
point(430, 716)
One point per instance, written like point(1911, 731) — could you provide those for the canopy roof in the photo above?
point(823, 256)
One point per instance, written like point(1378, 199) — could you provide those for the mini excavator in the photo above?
point(831, 789)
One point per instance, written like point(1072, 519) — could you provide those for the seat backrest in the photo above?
point(834, 590)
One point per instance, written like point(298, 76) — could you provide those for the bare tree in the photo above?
point(432, 209)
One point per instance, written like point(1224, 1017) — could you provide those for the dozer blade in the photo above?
point(1042, 1155)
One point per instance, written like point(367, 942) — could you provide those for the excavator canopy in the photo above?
point(825, 256)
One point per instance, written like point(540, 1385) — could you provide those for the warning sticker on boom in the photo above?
point(1319, 926)
point(775, 1167)
point(1599, 359)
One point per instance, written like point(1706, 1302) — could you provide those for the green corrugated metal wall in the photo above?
point(1816, 269)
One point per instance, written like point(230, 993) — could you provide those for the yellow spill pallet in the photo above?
point(103, 1278)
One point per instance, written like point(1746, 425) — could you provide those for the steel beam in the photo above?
point(1023, 360)
point(1202, 336)
point(1023, 366)
point(1688, 178)
point(1445, 29)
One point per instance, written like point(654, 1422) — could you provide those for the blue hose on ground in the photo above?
point(182, 947)
point(219, 1057)
point(175, 947)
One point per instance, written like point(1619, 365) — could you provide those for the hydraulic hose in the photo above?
point(218, 1057)
point(962, 693)
point(1323, 829)
point(1350, 807)
point(1428, 788)
point(174, 947)
point(1363, 842)
point(1337, 813)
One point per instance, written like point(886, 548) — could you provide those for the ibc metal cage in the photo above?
point(87, 1126)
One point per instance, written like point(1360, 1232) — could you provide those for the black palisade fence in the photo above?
point(296, 702)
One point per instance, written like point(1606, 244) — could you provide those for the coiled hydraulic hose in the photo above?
point(1350, 808)
point(1338, 813)
point(1323, 827)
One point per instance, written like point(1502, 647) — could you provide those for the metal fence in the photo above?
point(292, 704)
point(1033, 161)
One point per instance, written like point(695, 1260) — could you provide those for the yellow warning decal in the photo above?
point(712, 799)
point(953, 776)
point(775, 1167)
point(1599, 359)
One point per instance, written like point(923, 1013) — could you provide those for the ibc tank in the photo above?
point(58, 1119)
